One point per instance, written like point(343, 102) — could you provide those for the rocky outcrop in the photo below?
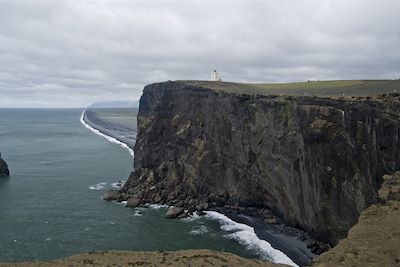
point(375, 239)
point(4, 171)
point(174, 212)
point(316, 162)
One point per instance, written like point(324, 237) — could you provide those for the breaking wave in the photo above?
point(109, 138)
point(98, 186)
point(246, 236)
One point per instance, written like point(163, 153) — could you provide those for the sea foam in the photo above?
point(246, 236)
point(97, 187)
point(156, 206)
point(199, 230)
point(109, 138)
point(118, 185)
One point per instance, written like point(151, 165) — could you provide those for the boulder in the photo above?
point(202, 206)
point(113, 195)
point(133, 202)
point(174, 212)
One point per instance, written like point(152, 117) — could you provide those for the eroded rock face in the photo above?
point(375, 239)
point(317, 163)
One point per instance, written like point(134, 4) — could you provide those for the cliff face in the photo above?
point(375, 239)
point(316, 162)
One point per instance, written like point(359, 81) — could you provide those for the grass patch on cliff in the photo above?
point(317, 88)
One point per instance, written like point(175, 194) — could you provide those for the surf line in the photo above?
point(245, 235)
point(109, 138)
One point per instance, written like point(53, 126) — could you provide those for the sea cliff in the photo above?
point(315, 162)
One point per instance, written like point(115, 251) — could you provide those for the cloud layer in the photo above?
point(73, 53)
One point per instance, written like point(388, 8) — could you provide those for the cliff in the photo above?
point(375, 239)
point(316, 162)
point(3, 168)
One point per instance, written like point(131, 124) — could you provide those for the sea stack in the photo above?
point(3, 168)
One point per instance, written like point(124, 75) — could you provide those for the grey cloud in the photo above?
point(73, 53)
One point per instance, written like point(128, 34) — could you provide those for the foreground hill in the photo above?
point(182, 258)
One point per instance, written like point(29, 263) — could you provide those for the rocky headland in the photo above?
point(4, 171)
point(313, 163)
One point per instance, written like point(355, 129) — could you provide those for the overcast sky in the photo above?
point(73, 53)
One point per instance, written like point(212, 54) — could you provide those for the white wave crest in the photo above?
point(97, 187)
point(109, 138)
point(246, 236)
point(192, 217)
point(137, 213)
point(118, 184)
point(156, 206)
point(199, 230)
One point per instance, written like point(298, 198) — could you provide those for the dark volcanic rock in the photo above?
point(132, 202)
point(4, 171)
point(375, 239)
point(113, 195)
point(174, 212)
point(315, 162)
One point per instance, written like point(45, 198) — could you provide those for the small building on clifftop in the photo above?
point(215, 76)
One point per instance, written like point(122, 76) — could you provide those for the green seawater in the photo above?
point(47, 210)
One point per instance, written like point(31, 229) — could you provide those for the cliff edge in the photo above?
point(315, 162)
point(375, 239)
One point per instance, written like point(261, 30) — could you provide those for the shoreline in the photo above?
point(278, 236)
point(91, 126)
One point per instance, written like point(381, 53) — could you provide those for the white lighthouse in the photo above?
point(215, 76)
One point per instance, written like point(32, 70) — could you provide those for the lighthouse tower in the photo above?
point(215, 76)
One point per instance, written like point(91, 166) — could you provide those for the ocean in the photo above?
point(51, 206)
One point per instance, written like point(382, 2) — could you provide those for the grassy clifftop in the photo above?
point(151, 259)
point(317, 88)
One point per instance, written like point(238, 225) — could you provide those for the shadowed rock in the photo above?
point(174, 212)
point(4, 171)
point(316, 162)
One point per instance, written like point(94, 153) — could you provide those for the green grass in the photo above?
point(317, 88)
